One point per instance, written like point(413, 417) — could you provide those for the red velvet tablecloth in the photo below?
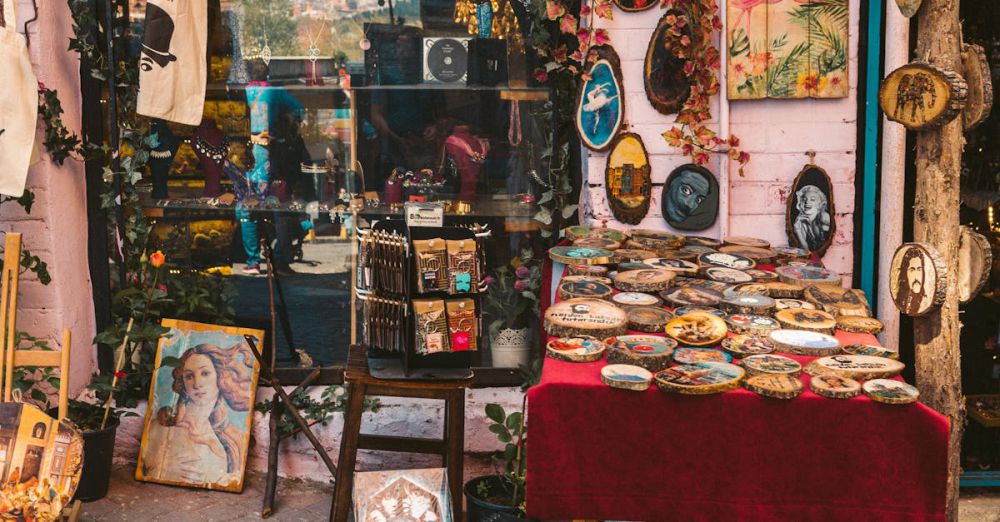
point(602, 453)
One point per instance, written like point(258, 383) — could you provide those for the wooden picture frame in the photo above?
point(628, 179)
point(667, 87)
point(690, 199)
point(808, 226)
point(593, 100)
point(195, 361)
point(919, 96)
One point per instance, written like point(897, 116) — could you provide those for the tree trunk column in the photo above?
point(936, 222)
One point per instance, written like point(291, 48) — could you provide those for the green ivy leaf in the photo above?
point(495, 413)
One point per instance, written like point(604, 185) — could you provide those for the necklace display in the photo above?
point(217, 153)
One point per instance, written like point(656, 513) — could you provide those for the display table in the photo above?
point(603, 453)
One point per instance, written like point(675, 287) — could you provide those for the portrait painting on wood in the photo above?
point(413, 495)
point(197, 427)
point(600, 105)
point(917, 279)
point(810, 216)
point(690, 198)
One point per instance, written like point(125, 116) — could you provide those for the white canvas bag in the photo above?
point(18, 106)
point(172, 66)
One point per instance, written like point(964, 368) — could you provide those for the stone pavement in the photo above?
point(308, 501)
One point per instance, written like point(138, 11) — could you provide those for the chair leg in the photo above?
point(348, 452)
point(455, 461)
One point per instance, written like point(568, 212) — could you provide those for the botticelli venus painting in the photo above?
point(787, 48)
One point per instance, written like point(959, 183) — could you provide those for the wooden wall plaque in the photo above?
point(809, 218)
point(635, 5)
point(975, 259)
point(628, 180)
point(579, 317)
point(667, 87)
point(690, 199)
point(976, 71)
point(908, 7)
point(917, 279)
point(921, 96)
point(600, 104)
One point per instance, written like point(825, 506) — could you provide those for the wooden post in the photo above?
point(936, 222)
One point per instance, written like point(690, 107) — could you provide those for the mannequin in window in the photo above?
point(469, 153)
point(162, 157)
point(212, 148)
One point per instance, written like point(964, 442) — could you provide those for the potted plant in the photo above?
point(501, 496)
point(512, 306)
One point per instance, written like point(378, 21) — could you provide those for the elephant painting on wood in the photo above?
point(922, 96)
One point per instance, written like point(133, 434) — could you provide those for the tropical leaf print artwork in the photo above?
point(787, 49)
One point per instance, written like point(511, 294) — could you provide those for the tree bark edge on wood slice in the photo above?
point(914, 82)
point(976, 70)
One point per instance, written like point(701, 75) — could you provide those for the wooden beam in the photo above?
point(37, 358)
point(936, 222)
point(8, 308)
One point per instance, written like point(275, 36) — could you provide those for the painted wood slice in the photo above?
point(834, 386)
point(701, 378)
point(747, 304)
point(572, 255)
point(917, 279)
point(597, 242)
point(576, 349)
point(812, 320)
point(691, 296)
point(690, 199)
point(667, 87)
point(697, 329)
point(697, 250)
point(648, 319)
point(600, 104)
point(746, 289)
point(650, 280)
point(629, 266)
point(838, 300)
point(857, 367)
point(742, 345)
point(688, 309)
point(793, 304)
point(802, 342)
point(587, 270)
point(588, 289)
point(975, 259)
point(748, 324)
point(586, 279)
point(624, 255)
point(760, 255)
point(636, 299)
point(726, 261)
point(576, 232)
point(727, 275)
point(578, 317)
point(646, 351)
point(780, 289)
point(790, 252)
point(695, 355)
point(657, 239)
point(775, 386)
point(868, 325)
point(746, 241)
point(679, 266)
point(872, 350)
point(703, 242)
point(922, 96)
point(976, 71)
point(626, 377)
point(908, 7)
point(807, 275)
point(628, 180)
point(635, 5)
point(809, 217)
point(889, 391)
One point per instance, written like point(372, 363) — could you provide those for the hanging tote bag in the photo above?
point(172, 66)
point(18, 105)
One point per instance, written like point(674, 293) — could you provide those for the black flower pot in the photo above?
point(98, 452)
point(483, 510)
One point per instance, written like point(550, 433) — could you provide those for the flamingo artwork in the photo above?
point(746, 9)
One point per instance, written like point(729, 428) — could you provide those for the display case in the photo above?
point(323, 120)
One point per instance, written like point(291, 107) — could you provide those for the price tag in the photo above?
point(424, 214)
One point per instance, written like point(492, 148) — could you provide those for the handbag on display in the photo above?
point(172, 66)
point(18, 105)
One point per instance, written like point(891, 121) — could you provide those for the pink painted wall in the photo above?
point(776, 133)
point(56, 228)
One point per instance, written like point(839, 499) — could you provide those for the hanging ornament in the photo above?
point(265, 52)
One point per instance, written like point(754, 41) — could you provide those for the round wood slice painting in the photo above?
point(742, 345)
point(636, 299)
point(834, 386)
point(600, 104)
point(857, 367)
point(976, 71)
point(690, 296)
point(726, 260)
point(679, 266)
point(635, 5)
point(694, 355)
point(628, 181)
point(703, 242)
point(580, 231)
point(889, 391)
point(917, 279)
point(807, 275)
point(921, 96)
point(746, 241)
point(727, 275)
point(751, 324)
point(576, 349)
point(975, 259)
point(667, 87)
point(580, 255)
point(646, 351)
point(803, 342)
point(771, 363)
point(597, 242)
point(690, 198)
point(626, 377)
point(578, 317)
point(776, 386)
point(809, 218)
point(697, 329)
point(700, 378)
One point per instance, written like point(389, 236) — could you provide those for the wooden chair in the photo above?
point(11, 356)
point(451, 447)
